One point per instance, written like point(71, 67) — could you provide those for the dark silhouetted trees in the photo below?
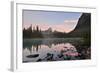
point(29, 33)
point(38, 33)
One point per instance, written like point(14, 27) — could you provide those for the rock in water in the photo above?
point(33, 56)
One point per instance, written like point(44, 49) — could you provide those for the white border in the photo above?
point(17, 37)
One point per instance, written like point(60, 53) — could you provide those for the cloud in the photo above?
point(66, 26)
point(71, 22)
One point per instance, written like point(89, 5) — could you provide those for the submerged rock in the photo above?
point(33, 56)
point(39, 60)
point(49, 56)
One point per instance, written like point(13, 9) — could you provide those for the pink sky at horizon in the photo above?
point(59, 21)
point(66, 26)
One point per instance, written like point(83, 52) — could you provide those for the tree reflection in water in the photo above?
point(53, 50)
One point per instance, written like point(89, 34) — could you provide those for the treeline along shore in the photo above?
point(82, 30)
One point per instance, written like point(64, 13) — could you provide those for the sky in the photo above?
point(59, 21)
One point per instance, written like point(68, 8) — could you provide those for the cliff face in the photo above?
point(83, 25)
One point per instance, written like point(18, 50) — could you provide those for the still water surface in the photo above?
point(55, 49)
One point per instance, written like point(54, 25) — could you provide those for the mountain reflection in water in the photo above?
point(35, 50)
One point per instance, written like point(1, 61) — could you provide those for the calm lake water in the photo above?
point(52, 49)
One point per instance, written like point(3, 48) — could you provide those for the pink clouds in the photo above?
point(66, 26)
point(71, 22)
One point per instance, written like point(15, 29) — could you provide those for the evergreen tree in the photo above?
point(37, 28)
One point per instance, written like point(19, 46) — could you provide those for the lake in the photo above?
point(54, 49)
